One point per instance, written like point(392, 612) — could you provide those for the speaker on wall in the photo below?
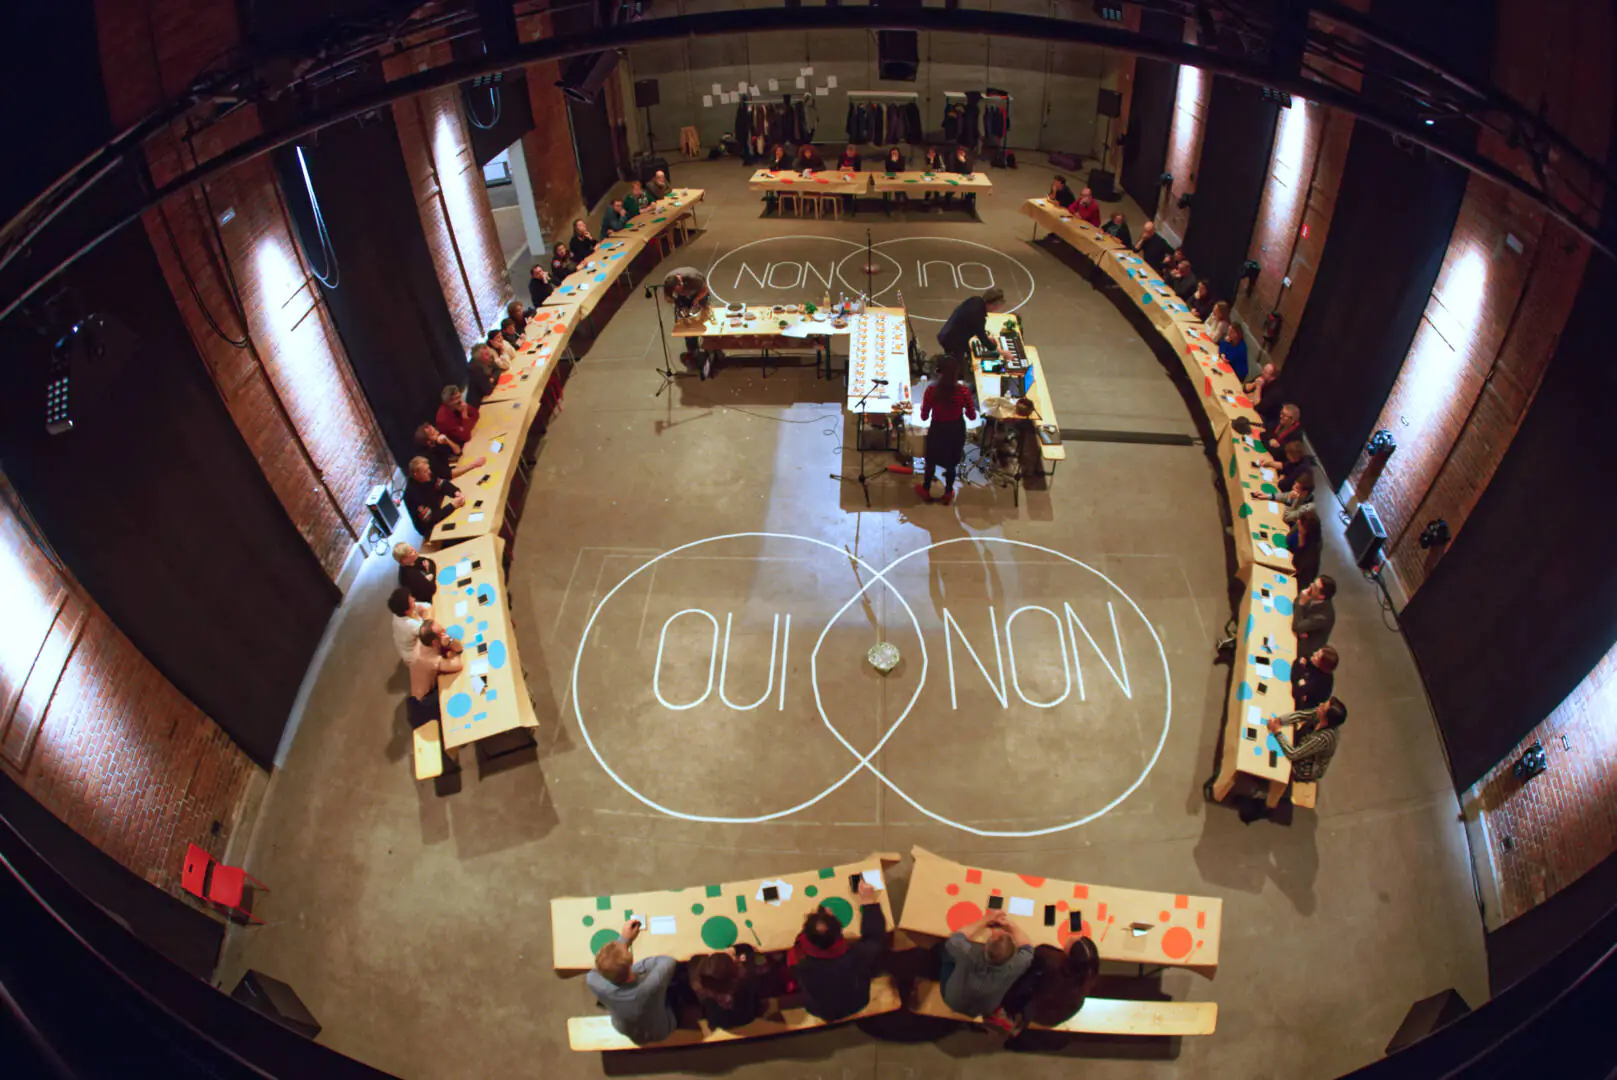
point(583, 76)
point(898, 54)
point(1110, 103)
point(1100, 184)
point(645, 93)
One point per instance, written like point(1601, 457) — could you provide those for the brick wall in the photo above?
point(455, 211)
point(1184, 146)
point(91, 729)
point(1563, 822)
point(289, 388)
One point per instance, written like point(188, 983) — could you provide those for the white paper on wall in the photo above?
point(805, 71)
point(707, 101)
point(774, 84)
point(717, 89)
point(831, 81)
point(802, 83)
point(820, 91)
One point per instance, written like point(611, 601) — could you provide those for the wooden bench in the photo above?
point(1304, 793)
point(597, 1033)
point(429, 751)
point(1099, 1016)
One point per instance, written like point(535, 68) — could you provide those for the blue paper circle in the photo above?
point(1243, 692)
point(446, 576)
point(485, 593)
point(458, 705)
point(458, 632)
point(1257, 751)
point(1274, 743)
point(1282, 669)
point(1283, 605)
point(1145, 298)
point(496, 654)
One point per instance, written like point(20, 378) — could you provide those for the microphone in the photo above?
point(878, 382)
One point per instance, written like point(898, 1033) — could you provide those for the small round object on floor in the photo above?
point(883, 656)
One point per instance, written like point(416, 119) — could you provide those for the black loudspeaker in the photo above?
point(1426, 1016)
point(1110, 103)
point(898, 54)
point(1101, 184)
point(646, 167)
point(384, 511)
point(583, 76)
point(645, 93)
point(1365, 535)
point(276, 1000)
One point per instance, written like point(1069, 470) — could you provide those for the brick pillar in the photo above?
point(552, 168)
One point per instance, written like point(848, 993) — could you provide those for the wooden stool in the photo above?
point(833, 203)
point(793, 197)
point(690, 143)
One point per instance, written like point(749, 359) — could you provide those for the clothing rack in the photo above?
point(889, 95)
point(983, 94)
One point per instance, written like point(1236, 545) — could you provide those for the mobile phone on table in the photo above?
point(853, 882)
point(1049, 914)
point(996, 902)
point(771, 894)
point(1075, 921)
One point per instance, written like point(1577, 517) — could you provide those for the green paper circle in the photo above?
point(812, 890)
point(1269, 489)
point(696, 909)
point(589, 920)
point(601, 939)
point(719, 932)
point(839, 907)
point(1246, 510)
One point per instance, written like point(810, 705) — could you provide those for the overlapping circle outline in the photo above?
point(863, 762)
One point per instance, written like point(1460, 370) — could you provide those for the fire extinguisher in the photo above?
point(1271, 329)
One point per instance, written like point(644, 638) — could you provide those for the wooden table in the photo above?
point(652, 225)
point(823, 182)
point(609, 263)
point(1260, 685)
point(763, 333)
point(687, 922)
point(923, 183)
point(1130, 925)
point(487, 695)
point(878, 361)
point(501, 430)
point(545, 342)
point(1260, 531)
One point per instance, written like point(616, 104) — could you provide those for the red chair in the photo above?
point(208, 879)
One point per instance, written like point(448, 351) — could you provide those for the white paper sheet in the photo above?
point(753, 89)
point(662, 924)
point(742, 86)
point(496, 446)
point(707, 101)
point(717, 89)
point(820, 91)
point(774, 84)
point(874, 878)
point(1019, 905)
point(801, 83)
point(479, 667)
point(805, 71)
point(460, 610)
point(475, 518)
point(463, 568)
point(831, 81)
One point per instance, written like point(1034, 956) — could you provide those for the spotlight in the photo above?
point(1108, 11)
point(58, 397)
point(1166, 179)
point(1280, 96)
point(1435, 534)
point(1187, 200)
point(1532, 762)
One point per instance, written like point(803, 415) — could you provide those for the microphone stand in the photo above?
point(871, 269)
point(862, 479)
point(667, 370)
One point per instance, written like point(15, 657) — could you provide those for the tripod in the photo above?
point(667, 370)
point(862, 478)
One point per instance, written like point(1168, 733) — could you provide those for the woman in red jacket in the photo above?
point(948, 405)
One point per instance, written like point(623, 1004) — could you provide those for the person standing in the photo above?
point(948, 404)
point(1313, 617)
point(969, 320)
point(686, 289)
point(635, 992)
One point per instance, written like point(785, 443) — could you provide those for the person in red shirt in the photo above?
point(849, 161)
point(1087, 208)
point(455, 418)
point(1287, 428)
point(948, 405)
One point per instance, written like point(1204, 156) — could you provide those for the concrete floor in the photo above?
point(416, 927)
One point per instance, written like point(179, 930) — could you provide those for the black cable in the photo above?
point(471, 114)
point(326, 249)
point(191, 286)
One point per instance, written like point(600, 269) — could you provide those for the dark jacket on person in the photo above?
point(836, 982)
point(539, 291)
point(1309, 685)
point(1047, 994)
point(1154, 249)
point(1289, 472)
point(612, 221)
point(433, 494)
point(844, 164)
point(480, 382)
point(1313, 623)
point(892, 166)
point(1064, 197)
point(809, 158)
point(1304, 562)
point(968, 320)
point(738, 1008)
point(963, 167)
point(1184, 286)
point(1120, 230)
point(581, 248)
point(421, 578)
point(442, 459)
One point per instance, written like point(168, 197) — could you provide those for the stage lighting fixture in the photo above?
point(1280, 96)
point(1187, 200)
point(1107, 11)
point(58, 420)
point(1166, 179)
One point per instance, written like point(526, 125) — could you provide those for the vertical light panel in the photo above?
point(1184, 147)
point(471, 218)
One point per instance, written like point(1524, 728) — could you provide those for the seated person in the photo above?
point(894, 162)
point(659, 188)
point(614, 218)
point(508, 334)
point(561, 263)
point(1256, 385)
point(429, 499)
point(482, 375)
point(833, 971)
point(436, 653)
point(975, 975)
point(1313, 677)
point(1053, 989)
point(1217, 323)
point(1061, 194)
point(636, 200)
point(1087, 208)
point(1313, 616)
point(780, 159)
point(441, 451)
point(1201, 301)
point(581, 244)
point(455, 417)
point(725, 987)
point(1183, 279)
point(849, 161)
point(505, 353)
point(408, 615)
point(417, 573)
point(539, 285)
point(1313, 741)
point(1295, 464)
point(635, 992)
point(1300, 499)
point(1288, 427)
point(808, 159)
point(936, 161)
point(1151, 247)
point(1118, 229)
point(960, 164)
point(1232, 350)
point(1303, 541)
point(518, 315)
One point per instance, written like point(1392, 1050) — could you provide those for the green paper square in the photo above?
point(829, 872)
point(741, 904)
point(714, 890)
point(603, 903)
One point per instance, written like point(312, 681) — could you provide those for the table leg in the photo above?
point(1224, 784)
point(1276, 790)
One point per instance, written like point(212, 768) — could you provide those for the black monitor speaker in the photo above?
point(898, 54)
point(583, 76)
point(1365, 535)
point(1110, 103)
point(645, 93)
